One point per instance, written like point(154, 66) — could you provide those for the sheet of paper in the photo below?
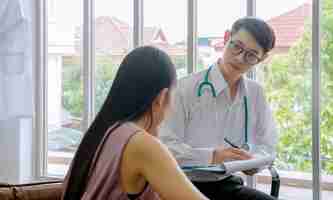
point(242, 165)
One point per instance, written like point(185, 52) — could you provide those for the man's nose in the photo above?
point(241, 57)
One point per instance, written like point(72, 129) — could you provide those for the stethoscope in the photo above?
point(210, 85)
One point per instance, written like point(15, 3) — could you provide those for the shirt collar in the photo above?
point(217, 79)
point(243, 87)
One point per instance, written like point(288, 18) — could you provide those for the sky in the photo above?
point(214, 16)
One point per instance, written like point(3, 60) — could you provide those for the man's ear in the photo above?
point(226, 37)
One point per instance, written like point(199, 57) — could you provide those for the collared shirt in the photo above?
point(197, 125)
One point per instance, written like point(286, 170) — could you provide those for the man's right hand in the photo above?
point(221, 154)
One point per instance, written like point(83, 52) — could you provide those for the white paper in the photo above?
point(243, 165)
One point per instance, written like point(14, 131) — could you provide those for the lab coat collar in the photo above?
point(220, 83)
point(243, 87)
point(217, 79)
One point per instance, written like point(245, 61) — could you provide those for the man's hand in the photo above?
point(221, 154)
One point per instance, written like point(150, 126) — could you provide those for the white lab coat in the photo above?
point(197, 125)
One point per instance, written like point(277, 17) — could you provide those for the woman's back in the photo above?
point(105, 176)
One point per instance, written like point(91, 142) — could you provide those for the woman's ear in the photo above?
point(163, 98)
point(160, 104)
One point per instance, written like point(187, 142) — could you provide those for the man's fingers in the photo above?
point(236, 156)
point(241, 152)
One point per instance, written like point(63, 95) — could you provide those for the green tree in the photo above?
point(73, 84)
point(288, 87)
point(105, 74)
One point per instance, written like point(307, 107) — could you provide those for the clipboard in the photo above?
point(205, 173)
point(218, 169)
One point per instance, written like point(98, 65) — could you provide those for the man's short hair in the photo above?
point(259, 29)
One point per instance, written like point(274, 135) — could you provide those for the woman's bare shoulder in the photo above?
point(145, 146)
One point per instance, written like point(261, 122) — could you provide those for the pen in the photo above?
point(231, 144)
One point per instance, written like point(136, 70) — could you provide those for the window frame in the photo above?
point(88, 63)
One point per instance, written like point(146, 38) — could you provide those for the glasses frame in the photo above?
point(232, 45)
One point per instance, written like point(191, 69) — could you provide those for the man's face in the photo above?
point(242, 52)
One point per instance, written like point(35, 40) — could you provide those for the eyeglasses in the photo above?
point(249, 57)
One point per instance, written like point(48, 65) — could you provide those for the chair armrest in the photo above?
point(275, 187)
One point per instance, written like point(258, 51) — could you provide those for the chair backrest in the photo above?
point(6, 193)
point(32, 191)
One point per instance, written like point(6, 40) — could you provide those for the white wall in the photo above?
point(15, 148)
point(9, 148)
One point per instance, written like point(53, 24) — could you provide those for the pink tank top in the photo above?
point(104, 181)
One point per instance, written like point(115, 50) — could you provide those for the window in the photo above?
point(286, 75)
point(287, 79)
point(214, 19)
point(167, 31)
point(326, 94)
point(113, 40)
point(64, 85)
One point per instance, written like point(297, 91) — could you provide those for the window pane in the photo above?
point(287, 78)
point(326, 128)
point(113, 36)
point(214, 18)
point(167, 31)
point(65, 83)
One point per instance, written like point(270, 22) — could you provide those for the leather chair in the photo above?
point(46, 190)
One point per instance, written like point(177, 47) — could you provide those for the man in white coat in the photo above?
point(220, 103)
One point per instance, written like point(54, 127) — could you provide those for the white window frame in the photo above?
point(88, 63)
point(40, 93)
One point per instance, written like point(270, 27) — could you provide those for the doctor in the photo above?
point(220, 103)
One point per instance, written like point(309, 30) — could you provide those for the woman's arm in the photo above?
point(156, 164)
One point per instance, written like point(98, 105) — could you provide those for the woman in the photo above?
point(120, 156)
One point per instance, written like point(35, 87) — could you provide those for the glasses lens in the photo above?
point(251, 58)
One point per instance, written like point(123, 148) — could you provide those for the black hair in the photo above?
point(259, 29)
point(142, 75)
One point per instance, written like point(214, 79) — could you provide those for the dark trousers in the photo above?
point(231, 188)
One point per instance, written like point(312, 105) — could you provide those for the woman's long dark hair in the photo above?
point(142, 75)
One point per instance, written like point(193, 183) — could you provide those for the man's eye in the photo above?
point(238, 46)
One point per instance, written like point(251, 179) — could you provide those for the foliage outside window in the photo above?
point(288, 88)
